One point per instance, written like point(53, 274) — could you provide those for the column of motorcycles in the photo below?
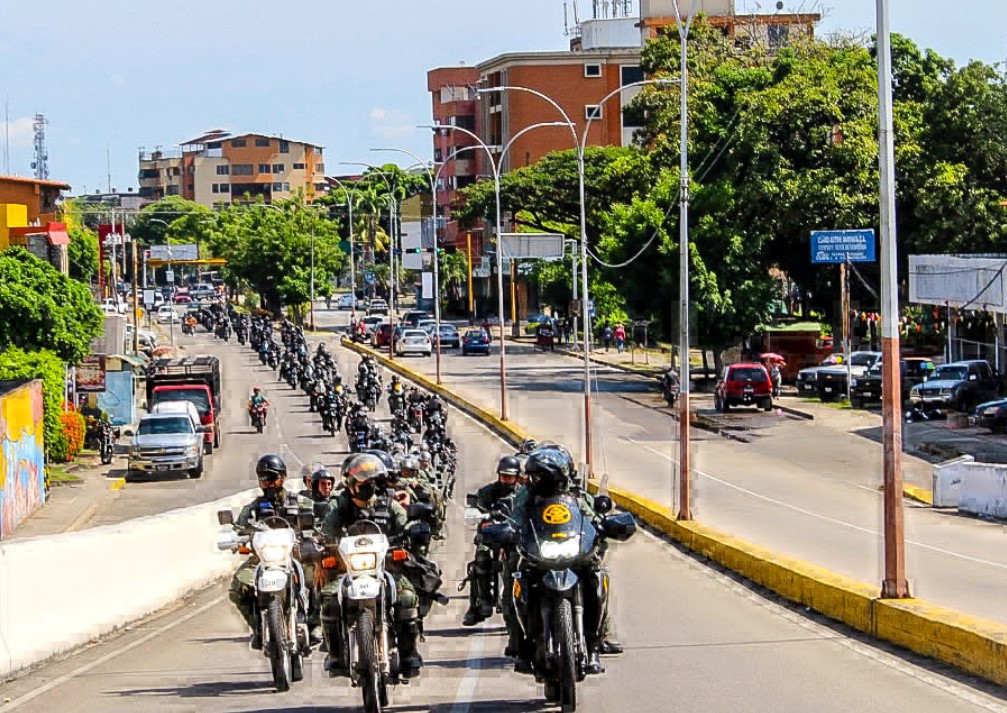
point(550, 545)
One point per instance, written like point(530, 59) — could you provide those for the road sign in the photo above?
point(547, 246)
point(836, 246)
point(590, 308)
point(369, 277)
point(169, 275)
point(148, 297)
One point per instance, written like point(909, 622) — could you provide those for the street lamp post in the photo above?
point(580, 143)
point(171, 322)
point(433, 225)
point(353, 269)
point(495, 164)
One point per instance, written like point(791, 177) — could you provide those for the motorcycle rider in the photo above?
point(669, 383)
point(424, 491)
point(551, 472)
point(434, 406)
point(480, 569)
point(360, 500)
point(275, 500)
point(257, 400)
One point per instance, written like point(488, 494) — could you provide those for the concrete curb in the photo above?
point(974, 645)
point(918, 494)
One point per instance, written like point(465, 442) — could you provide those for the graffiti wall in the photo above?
point(22, 466)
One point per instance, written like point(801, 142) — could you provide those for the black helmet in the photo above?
point(549, 470)
point(528, 445)
point(509, 465)
point(381, 455)
point(270, 468)
point(322, 474)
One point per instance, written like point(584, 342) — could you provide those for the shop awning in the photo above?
point(131, 359)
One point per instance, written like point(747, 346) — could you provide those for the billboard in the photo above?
point(181, 251)
point(836, 246)
point(91, 374)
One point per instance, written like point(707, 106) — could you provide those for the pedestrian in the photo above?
point(328, 301)
point(620, 337)
point(606, 337)
point(568, 330)
point(486, 328)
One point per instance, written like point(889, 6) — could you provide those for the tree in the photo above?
point(83, 253)
point(17, 364)
point(40, 308)
point(177, 212)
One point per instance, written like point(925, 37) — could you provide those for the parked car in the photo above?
point(377, 306)
point(961, 385)
point(413, 317)
point(830, 381)
point(807, 378)
point(382, 334)
point(475, 341)
point(992, 415)
point(345, 301)
point(534, 321)
point(112, 305)
point(182, 298)
point(743, 384)
point(449, 337)
point(371, 323)
point(414, 341)
point(164, 443)
point(867, 388)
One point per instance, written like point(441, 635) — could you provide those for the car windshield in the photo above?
point(196, 396)
point(748, 373)
point(951, 372)
point(164, 426)
point(474, 334)
point(863, 359)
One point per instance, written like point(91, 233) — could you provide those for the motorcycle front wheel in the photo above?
point(562, 625)
point(279, 650)
point(371, 684)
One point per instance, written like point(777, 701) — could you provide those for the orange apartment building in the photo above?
point(29, 217)
point(219, 168)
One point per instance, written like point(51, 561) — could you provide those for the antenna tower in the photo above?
point(41, 162)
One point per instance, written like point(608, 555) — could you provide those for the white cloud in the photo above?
point(19, 131)
point(391, 124)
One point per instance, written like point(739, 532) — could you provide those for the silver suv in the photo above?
point(164, 443)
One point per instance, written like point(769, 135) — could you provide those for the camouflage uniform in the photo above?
point(392, 519)
point(242, 590)
point(480, 571)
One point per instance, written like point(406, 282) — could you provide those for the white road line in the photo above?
point(818, 516)
point(467, 688)
point(18, 702)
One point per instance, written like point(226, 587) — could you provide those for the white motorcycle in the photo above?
point(280, 593)
point(366, 594)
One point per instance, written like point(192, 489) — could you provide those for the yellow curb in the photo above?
point(918, 494)
point(118, 483)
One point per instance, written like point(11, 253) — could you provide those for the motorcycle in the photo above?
point(371, 395)
point(415, 416)
point(558, 545)
point(188, 328)
point(670, 393)
point(396, 401)
point(281, 598)
point(359, 439)
point(258, 415)
point(106, 441)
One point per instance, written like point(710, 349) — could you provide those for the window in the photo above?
point(286, 187)
point(438, 155)
point(319, 168)
point(242, 169)
point(225, 187)
point(238, 143)
point(277, 187)
point(223, 170)
point(630, 74)
point(279, 168)
point(264, 168)
point(262, 142)
point(172, 190)
point(592, 111)
point(148, 173)
point(298, 166)
point(592, 70)
point(284, 146)
point(466, 121)
point(778, 36)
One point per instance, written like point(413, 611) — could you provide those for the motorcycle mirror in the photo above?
point(472, 500)
point(128, 432)
point(619, 527)
point(319, 510)
point(225, 517)
point(306, 520)
point(603, 504)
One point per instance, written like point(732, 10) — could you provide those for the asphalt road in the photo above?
point(800, 488)
point(696, 640)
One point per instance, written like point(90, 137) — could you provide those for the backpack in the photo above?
point(607, 333)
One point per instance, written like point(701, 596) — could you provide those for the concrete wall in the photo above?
point(22, 465)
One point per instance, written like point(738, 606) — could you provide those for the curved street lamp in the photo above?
point(353, 269)
point(495, 163)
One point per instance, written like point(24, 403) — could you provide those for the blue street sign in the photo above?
point(369, 277)
point(836, 246)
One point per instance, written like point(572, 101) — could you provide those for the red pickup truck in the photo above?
point(195, 379)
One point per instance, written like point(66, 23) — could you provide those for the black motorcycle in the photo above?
point(555, 547)
point(106, 441)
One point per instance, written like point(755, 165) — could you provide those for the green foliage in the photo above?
point(16, 364)
point(184, 219)
point(83, 253)
point(40, 308)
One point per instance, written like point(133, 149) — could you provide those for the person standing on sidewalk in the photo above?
point(620, 337)
point(606, 337)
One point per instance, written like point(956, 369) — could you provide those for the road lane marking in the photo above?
point(118, 483)
point(825, 518)
point(467, 688)
point(56, 682)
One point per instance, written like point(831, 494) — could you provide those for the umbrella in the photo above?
point(774, 357)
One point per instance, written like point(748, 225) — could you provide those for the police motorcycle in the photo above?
point(281, 594)
point(372, 393)
point(396, 399)
point(414, 414)
point(358, 430)
point(556, 543)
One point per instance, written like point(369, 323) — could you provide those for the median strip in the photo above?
point(974, 645)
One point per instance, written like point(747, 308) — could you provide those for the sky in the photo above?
point(112, 76)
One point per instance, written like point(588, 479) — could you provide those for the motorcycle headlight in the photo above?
point(560, 549)
point(362, 561)
point(274, 554)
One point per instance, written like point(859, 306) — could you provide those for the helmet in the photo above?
point(528, 445)
point(549, 470)
point(508, 465)
point(270, 468)
point(320, 475)
point(410, 464)
point(361, 473)
point(382, 455)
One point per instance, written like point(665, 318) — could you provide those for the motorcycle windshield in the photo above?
point(557, 533)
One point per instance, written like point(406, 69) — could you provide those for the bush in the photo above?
point(74, 429)
point(15, 363)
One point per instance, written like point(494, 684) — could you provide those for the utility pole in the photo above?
point(136, 305)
